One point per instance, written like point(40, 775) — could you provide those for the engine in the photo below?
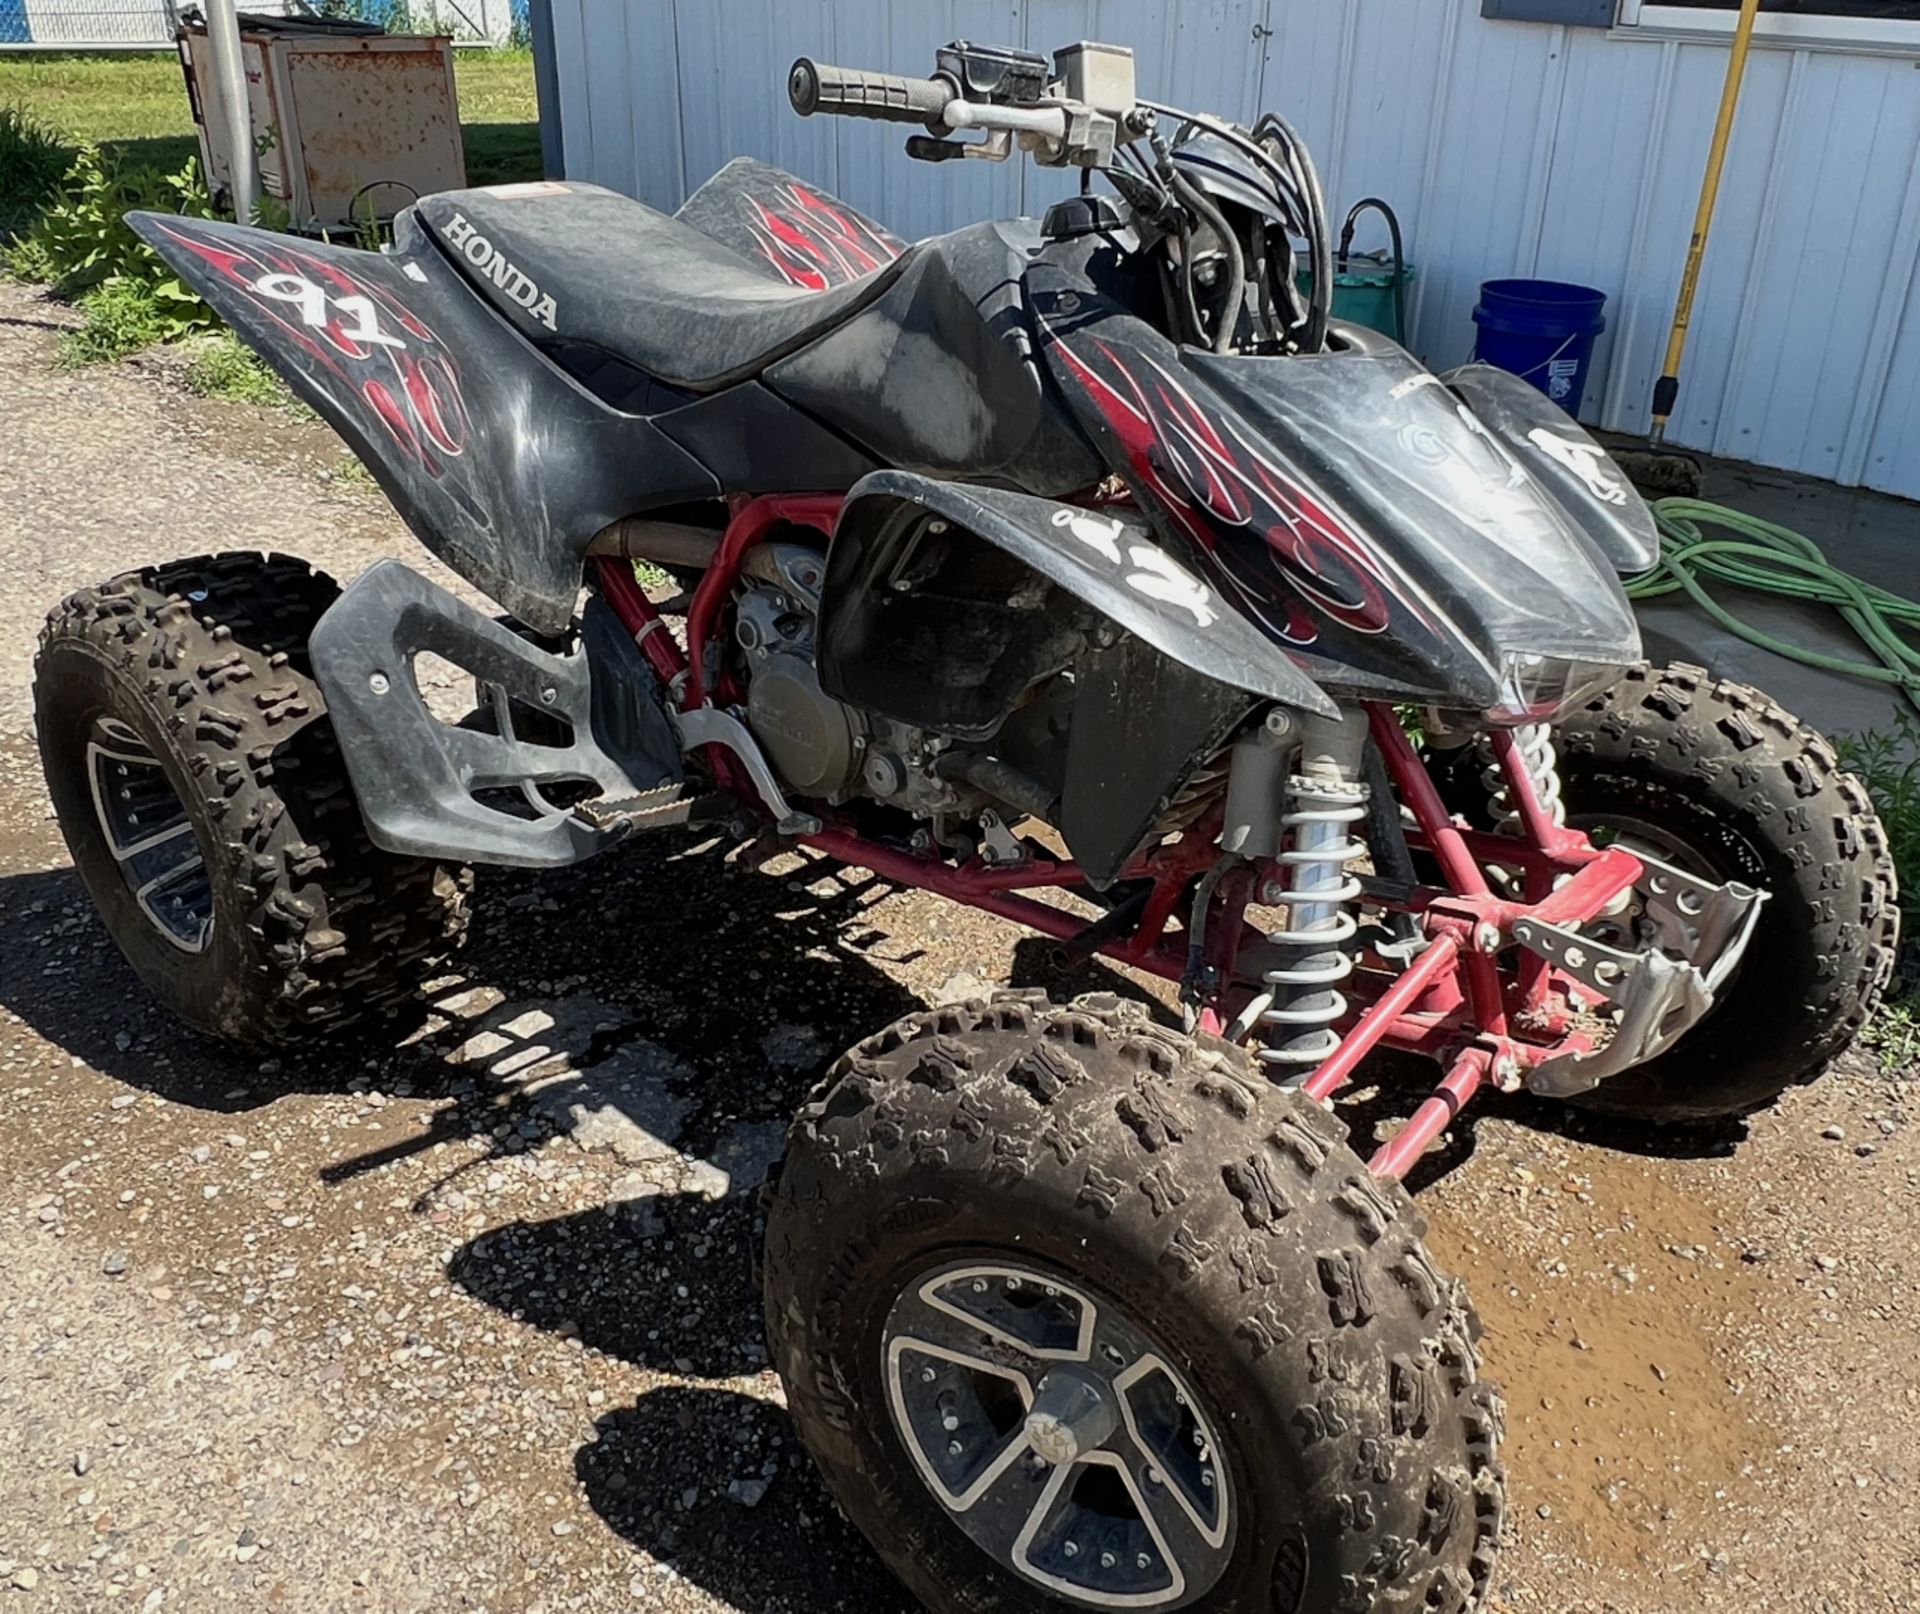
point(969, 797)
point(820, 747)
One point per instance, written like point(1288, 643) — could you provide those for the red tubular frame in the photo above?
point(1376, 1022)
point(1462, 1081)
point(1486, 1009)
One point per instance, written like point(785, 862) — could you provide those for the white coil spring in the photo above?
point(1542, 762)
point(1306, 996)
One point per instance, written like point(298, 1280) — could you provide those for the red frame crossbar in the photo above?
point(1485, 1008)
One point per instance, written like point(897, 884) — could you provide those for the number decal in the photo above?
point(296, 289)
point(366, 326)
point(312, 300)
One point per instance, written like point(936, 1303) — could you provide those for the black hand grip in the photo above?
point(849, 93)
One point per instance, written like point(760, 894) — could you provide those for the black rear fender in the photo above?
point(919, 623)
point(500, 463)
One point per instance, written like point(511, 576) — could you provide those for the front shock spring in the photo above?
point(1317, 943)
point(1534, 742)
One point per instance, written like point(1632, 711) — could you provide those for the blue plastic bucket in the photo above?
point(1543, 331)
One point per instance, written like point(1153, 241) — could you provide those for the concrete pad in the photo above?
point(1872, 535)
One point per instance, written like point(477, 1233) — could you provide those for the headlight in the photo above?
point(1536, 689)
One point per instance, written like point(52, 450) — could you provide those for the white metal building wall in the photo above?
point(1507, 148)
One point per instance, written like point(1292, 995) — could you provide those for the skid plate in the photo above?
point(1699, 932)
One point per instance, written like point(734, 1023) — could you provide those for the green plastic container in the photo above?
point(1364, 292)
point(1370, 288)
point(1371, 291)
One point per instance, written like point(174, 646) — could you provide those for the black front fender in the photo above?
point(1558, 453)
point(873, 627)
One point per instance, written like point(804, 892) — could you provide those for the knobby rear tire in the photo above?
point(314, 928)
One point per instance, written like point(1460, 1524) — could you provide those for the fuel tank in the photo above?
point(1384, 536)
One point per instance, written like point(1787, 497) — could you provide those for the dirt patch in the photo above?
point(1623, 1400)
point(373, 1329)
point(278, 441)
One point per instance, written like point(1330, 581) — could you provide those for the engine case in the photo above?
point(812, 740)
point(821, 747)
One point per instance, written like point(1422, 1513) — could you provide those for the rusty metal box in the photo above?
point(336, 115)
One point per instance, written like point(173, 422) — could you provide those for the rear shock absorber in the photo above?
point(1325, 797)
point(1534, 742)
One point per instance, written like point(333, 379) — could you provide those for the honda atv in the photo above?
point(1083, 571)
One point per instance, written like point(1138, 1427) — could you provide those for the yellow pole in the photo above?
point(1666, 390)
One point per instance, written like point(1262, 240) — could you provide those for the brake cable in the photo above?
point(1215, 220)
point(1299, 190)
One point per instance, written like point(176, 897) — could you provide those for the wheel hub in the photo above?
point(1056, 1434)
point(148, 835)
point(1071, 1416)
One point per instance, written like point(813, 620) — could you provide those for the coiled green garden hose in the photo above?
point(1701, 541)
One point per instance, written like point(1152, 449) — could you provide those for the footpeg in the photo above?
point(663, 808)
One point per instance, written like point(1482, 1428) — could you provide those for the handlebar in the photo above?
point(1082, 111)
point(846, 91)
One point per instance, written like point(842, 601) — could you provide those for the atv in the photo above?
point(1087, 572)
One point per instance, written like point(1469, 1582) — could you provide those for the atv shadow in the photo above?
point(68, 982)
point(671, 1286)
point(700, 956)
point(667, 941)
point(792, 1549)
point(1393, 1085)
point(667, 1283)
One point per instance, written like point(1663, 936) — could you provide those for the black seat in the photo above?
point(589, 267)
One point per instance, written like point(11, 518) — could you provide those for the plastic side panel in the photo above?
point(806, 237)
point(1562, 457)
point(1141, 724)
point(939, 376)
point(755, 442)
point(1115, 565)
point(499, 463)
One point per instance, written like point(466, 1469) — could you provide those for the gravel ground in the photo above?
point(469, 1320)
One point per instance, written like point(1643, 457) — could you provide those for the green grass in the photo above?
point(134, 106)
point(121, 318)
point(1894, 1035)
point(1888, 764)
point(34, 157)
point(499, 116)
point(353, 473)
point(222, 368)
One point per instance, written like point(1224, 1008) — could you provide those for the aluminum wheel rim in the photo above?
point(149, 836)
point(1055, 1432)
